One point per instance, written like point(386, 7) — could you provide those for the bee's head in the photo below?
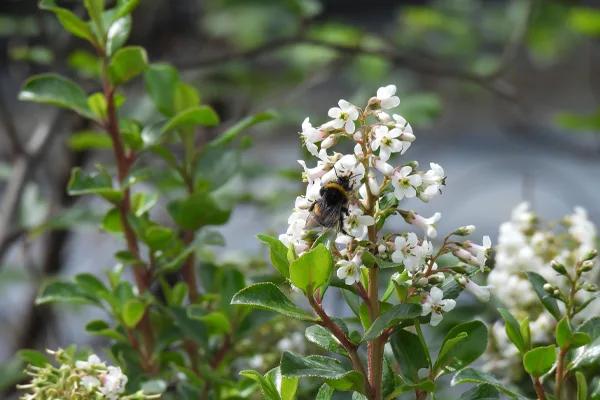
point(345, 181)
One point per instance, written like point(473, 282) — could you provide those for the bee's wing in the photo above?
point(327, 215)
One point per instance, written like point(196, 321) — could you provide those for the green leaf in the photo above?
point(89, 140)
point(513, 330)
point(185, 96)
point(582, 388)
point(161, 81)
point(230, 134)
point(278, 254)
point(286, 386)
point(95, 9)
point(216, 321)
point(481, 392)
point(587, 356)
point(101, 328)
point(71, 22)
point(268, 296)
point(549, 302)
point(564, 334)
point(64, 292)
point(117, 35)
point(470, 375)
point(91, 285)
point(585, 20)
point(410, 353)
point(97, 103)
point(322, 337)
point(133, 311)
point(56, 90)
point(321, 367)
point(33, 357)
point(452, 357)
point(579, 122)
point(127, 63)
point(193, 116)
point(391, 318)
point(325, 392)
point(198, 210)
point(539, 360)
point(312, 269)
point(99, 183)
point(591, 327)
point(267, 387)
point(125, 7)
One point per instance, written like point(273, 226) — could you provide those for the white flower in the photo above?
point(349, 271)
point(481, 292)
point(427, 224)
point(383, 167)
point(436, 305)
point(113, 383)
point(295, 342)
point(356, 223)
point(344, 116)
point(310, 136)
point(387, 142)
point(313, 173)
point(480, 252)
point(404, 247)
point(405, 183)
point(92, 361)
point(406, 130)
point(387, 98)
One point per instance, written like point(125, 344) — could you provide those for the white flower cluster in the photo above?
point(109, 380)
point(525, 245)
point(376, 136)
point(91, 379)
point(376, 186)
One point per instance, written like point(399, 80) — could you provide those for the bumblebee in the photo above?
point(330, 208)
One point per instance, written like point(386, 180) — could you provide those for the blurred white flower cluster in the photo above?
point(526, 244)
point(375, 187)
point(92, 379)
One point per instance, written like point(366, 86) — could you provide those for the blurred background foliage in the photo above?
point(528, 68)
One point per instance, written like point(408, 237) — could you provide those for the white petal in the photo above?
point(390, 102)
point(436, 294)
point(448, 305)
point(334, 112)
point(385, 153)
point(436, 318)
point(350, 127)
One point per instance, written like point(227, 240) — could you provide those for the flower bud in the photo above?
point(548, 288)
point(437, 278)
point(464, 230)
point(421, 282)
point(590, 287)
point(586, 266)
point(558, 267)
point(591, 255)
point(462, 280)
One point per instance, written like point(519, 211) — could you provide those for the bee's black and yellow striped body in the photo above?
point(330, 208)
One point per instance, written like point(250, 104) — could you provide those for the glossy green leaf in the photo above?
point(286, 386)
point(325, 392)
point(267, 387)
point(185, 97)
point(125, 7)
point(117, 35)
point(56, 90)
point(278, 254)
point(513, 330)
point(99, 183)
point(89, 140)
point(410, 353)
point(320, 336)
point(199, 209)
point(71, 22)
point(95, 9)
point(564, 334)
point(315, 367)
point(194, 116)
point(101, 328)
point(268, 296)
point(161, 81)
point(391, 318)
point(91, 285)
point(64, 292)
point(470, 375)
point(481, 392)
point(127, 63)
point(582, 387)
point(312, 269)
point(132, 312)
point(587, 356)
point(453, 357)
point(549, 302)
point(539, 360)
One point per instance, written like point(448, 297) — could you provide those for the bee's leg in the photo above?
point(341, 222)
point(312, 205)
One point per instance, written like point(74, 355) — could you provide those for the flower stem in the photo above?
point(539, 389)
point(560, 374)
